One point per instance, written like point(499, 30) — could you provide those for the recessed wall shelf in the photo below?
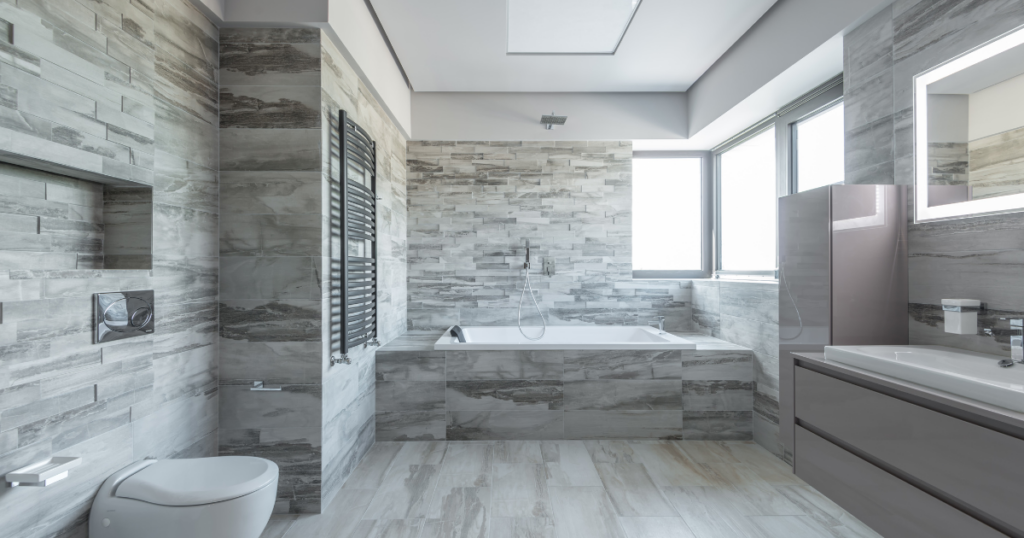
point(43, 473)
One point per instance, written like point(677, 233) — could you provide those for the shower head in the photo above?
point(550, 120)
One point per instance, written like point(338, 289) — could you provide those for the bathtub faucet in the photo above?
point(660, 320)
point(457, 333)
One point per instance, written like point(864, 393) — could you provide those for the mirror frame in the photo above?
point(987, 206)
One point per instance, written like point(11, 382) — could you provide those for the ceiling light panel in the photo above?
point(568, 26)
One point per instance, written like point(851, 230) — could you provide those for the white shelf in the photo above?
point(43, 473)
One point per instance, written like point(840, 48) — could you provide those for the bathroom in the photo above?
point(668, 268)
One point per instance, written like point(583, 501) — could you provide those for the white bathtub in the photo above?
point(570, 337)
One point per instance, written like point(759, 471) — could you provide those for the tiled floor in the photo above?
point(573, 489)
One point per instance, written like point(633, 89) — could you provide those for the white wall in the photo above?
point(997, 109)
point(789, 32)
point(947, 118)
point(516, 116)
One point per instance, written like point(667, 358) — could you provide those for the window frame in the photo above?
point(784, 120)
point(706, 209)
point(794, 179)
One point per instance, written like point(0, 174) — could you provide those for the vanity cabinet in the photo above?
point(905, 465)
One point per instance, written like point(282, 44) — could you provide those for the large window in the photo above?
point(799, 147)
point(670, 235)
point(747, 200)
point(818, 155)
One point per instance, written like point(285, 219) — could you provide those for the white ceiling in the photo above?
point(460, 46)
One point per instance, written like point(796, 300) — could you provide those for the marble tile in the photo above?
point(404, 494)
point(522, 527)
point(623, 424)
point(668, 465)
point(568, 464)
point(788, 526)
point(655, 527)
point(632, 492)
point(520, 490)
point(584, 512)
point(268, 278)
point(405, 396)
point(494, 425)
point(503, 395)
point(623, 395)
point(718, 512)
point(270, 107)
point(518, 452)
point(472, 461)
point(717, 396)
point(296, 64)
point(411, 425)
point(492, 365)
point(410, 365)
point(372, 469)
point(591, 365)
point(460, 511)
point(717, 365)
point(270, 149)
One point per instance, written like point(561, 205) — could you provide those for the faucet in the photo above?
point(1016, 343)
point(457, 333)
point(660, 320)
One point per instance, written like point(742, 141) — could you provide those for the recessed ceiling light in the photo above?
point(568, 26)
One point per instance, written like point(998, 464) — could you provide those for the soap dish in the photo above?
point(43, 473)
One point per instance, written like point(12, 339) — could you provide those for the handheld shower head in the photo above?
point(527, 264)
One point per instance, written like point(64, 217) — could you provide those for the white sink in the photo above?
point(964, 373)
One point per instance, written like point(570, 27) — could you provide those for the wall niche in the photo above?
point(55, 222)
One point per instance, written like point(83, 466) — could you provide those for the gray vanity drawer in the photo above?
point(972, 467)
point(885, 503)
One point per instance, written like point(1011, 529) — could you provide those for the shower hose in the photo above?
point(522, 296)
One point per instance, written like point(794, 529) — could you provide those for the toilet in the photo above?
point(222, 497)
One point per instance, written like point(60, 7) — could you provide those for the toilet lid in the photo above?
point(198, 481)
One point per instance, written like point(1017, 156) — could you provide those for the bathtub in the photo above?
point(563, 337)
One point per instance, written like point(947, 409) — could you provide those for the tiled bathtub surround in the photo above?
point(125, 88)
point(471, 205)
point(747, 313)
point(977, 258)
point(281, 90)
point(426, 394)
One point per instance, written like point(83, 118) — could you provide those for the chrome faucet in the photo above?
point(660, 320)
point(1017, 340)
point(1016, 343)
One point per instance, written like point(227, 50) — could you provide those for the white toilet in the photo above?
point(223, 497)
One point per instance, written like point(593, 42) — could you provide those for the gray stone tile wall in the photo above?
point(424, 394)
point(120, 89)
point(281, 92)
point(976, 257)
point(270, 247)
point(471, 205)
point(747, 313)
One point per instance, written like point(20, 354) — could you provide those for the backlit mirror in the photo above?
point(969, 132)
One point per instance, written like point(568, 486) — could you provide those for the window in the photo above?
point(671, 238)
point(804, 140)
point(818, 154)
point(747, 200)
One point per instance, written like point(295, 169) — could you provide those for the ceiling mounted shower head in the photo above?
point(551, 120)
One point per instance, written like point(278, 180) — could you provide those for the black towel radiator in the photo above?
point(353, 273)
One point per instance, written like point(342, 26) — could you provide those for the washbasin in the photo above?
point(972, 375)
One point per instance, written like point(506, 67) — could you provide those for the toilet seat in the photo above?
point(192, 482)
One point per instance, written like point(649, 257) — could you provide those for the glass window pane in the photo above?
point(819, 149)
point(667, 214)
point(749, 194)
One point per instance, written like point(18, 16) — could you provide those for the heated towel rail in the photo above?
point(353, 190)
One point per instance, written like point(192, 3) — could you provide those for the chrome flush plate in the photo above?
point(123, 314)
